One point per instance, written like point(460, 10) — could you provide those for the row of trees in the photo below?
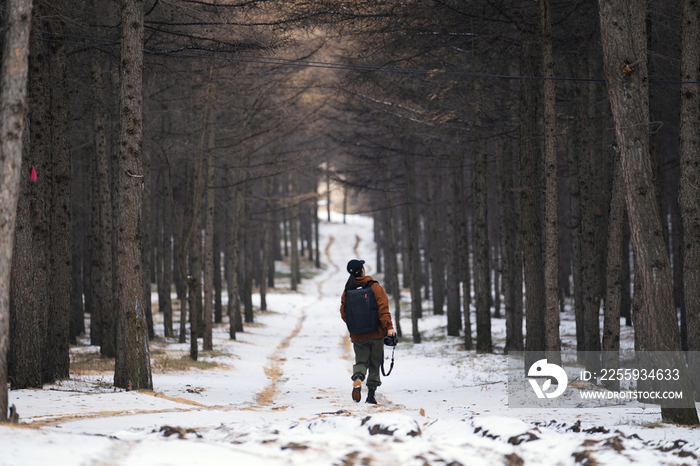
point(497, 172)
point(484, 168)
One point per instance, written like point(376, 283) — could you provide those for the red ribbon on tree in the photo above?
point(33, 175)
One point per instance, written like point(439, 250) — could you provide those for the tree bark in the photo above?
point(580, 149)
point(436, 229)
point(411, 249)
point(613, 294)
point(21, 319)
point(13, 107)
point(454, 310)
point(266, 246)
point(551, 211)
point(146, 243)
point(57, 360)
point(132, 365)
point(623, 35)
point(392, 265)
point(103, 320)
point(165, 301)
point(294, 233)
point(585, 278)
point(79, 193)
point(24, 357)
point(531, 206)
point(207, 344)
point(248, 239)
point(218, 285)
point(40, 192)
point(232, 249)
point(512, 268)
point(689, 188)
point(482, 282)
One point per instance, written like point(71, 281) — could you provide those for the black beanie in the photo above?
point(355, 267)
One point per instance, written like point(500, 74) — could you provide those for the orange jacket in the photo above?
point(385, 323)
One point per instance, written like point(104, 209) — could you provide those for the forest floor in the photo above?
point(280, 395)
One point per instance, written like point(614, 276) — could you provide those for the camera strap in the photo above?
point(391, 367)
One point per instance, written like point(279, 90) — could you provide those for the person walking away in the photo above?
point(364, 307)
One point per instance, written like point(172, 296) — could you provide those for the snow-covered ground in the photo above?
point(281, 395)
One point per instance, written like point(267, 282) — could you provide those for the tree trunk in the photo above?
point(218, 285)
point(165, 261)
point(392, 265)
point(551, 207)
point(436, 228)
point(232, 247)
point(316, 233)
point(294, 233)
point(13, 107)
point(512, 268)
point(132, 366)
point(579, 149)
point(626, 302)
point(412, 252)
point(195, 256)
point(103, 320)
point(266, 246)
point(623, 35)
point(689, 188)
point(21, 322)
point(58, 322)
point(585, 276)
point(482, 282)
point(146, 244)
point(207, 344)
point(79, 194)
point(247, 264)
point(613, 294)
point(454, 211)
point(531, 206)
point(40, 194)
point(25, 351)
point(463, 244)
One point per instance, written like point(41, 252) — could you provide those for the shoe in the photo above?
point(370, 397)
point(356, 395)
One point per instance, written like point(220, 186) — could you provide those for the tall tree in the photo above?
point(132, 365)
point(207, 344)
point(103, 320)
point(689, 189)
point(235, 206)
point(13, 107)
point(510, 238)
point(27, 317)
point(613, 294)
point(56, 361)
point(411, 249)
point(482, 282)
point(551, 207)
point(623, 32)
point(531, 204)
point(165, 267)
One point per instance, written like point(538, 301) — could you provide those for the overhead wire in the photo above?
point(210, 54)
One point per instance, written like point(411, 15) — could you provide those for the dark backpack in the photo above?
point(361, 310)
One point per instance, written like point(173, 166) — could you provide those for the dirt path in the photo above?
point(307, 342)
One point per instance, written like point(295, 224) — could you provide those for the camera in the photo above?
point(391, 341)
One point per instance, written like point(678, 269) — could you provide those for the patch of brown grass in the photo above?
point(161, 361)
point(91, 364)
point(165, 362)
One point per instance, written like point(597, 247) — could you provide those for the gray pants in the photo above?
point(369, 354)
